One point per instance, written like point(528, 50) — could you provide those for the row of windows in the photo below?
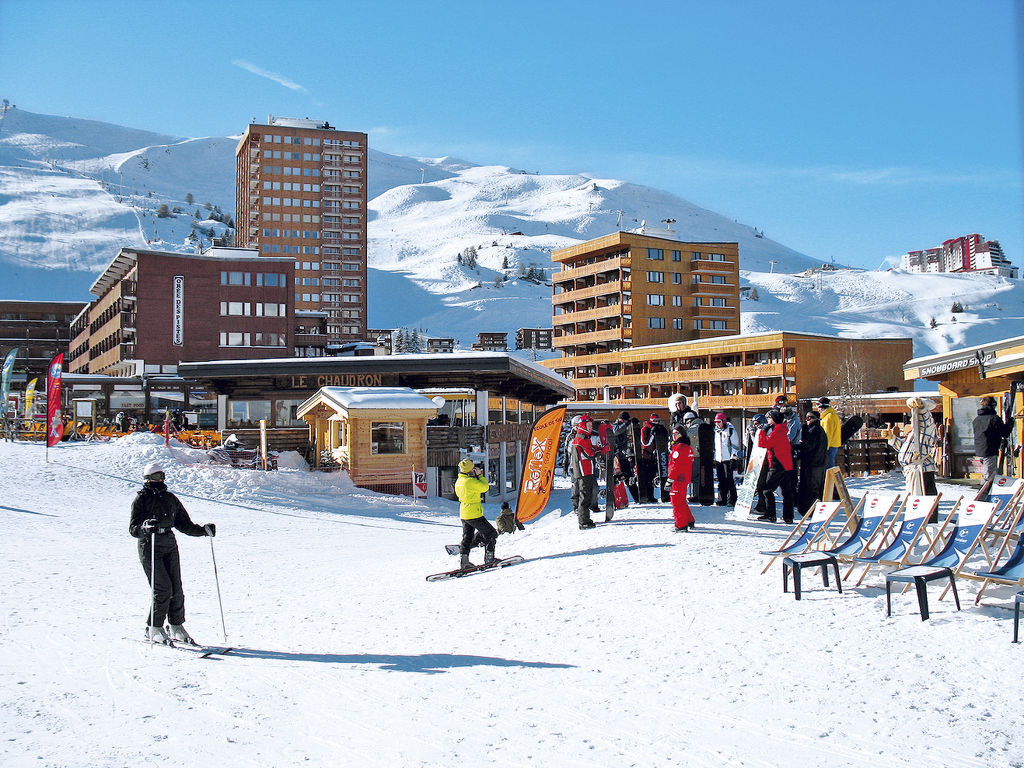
point(291, 186)
point(657, 323)
point(347, 298)
point(293, 218)
point(658, 300)
point(275, 138)
point(233, 339)
point(295, 250)
point(303, 234)
point(658, 254)
point(344, 251)
point(275, 154)
point(297, 202)
point(677, 278)
point(346, 283)
point(245, 309)
point(288, 170)
point(265, 279)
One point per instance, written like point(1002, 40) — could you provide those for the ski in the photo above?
point(460, 572)
point(202, 651)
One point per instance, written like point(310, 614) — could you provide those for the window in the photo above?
point(716, 279)
point(718, 303)
point(235, 278)
point(677, 301)
point(655, 277)
point(232, 339)
point(655, 300)
point(235, 308)
point(270, 279)
point(270, 310)
point(387, 437)
point(656, 254)
point(269, 339)
point(677, 323)
point(655, 322)
point(677, 278)
point(718, 325)
point(677, 255)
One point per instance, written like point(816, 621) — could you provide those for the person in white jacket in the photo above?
point(727, 448)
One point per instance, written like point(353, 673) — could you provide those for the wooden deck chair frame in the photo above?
point(1009, 515)
point(994, 559)
point(818, 517)
point(947, 562)
point(834, 483)
point(978, 541)
point(928, 505)
point(877, 537)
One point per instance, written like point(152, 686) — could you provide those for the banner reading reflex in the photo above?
point(539, 465)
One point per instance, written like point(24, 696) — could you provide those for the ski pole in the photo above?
point(152, 581)
point(216, 580)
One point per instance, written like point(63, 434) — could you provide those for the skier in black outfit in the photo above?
point(155, 512)
point(989, 431)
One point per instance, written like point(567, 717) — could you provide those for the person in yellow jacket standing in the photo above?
point(470, 484)
point(833, 429)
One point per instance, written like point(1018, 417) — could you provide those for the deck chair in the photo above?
point(1010, 572)
point(973, 519)
point(875, 511)
point(815, 530)
point(916, 511)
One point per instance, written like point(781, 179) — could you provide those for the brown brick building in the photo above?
point(155, 309)
point(301, 192)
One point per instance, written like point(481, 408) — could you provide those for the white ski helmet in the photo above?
point(151, 469)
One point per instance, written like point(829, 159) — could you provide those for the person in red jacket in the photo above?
point(583, 457)
point(680, 467)
point(780, 468)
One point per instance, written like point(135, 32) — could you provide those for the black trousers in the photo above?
point(165, 582)
point(784, 478)
point(726, 483)
point(472, 528)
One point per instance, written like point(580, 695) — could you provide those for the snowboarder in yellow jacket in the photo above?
point(468, 487)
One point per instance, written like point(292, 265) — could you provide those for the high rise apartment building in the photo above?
point(301, 192)
point(967, 253)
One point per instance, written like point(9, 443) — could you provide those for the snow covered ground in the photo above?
point(626, 645)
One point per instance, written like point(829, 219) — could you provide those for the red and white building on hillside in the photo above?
point(968, 253)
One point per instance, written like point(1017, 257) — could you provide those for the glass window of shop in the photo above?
point(130, 401)
point(493, 468)
point(387, 437)
point(204, 403)
point(163, 402)
point(510, 468)
point(284, 413)
point(247, 413)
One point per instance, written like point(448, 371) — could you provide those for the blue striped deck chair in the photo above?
point(875, 510)
point(814, 532)
point(916, 511)
point(1010, 572)
point(972, 520)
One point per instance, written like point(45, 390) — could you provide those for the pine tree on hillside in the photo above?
point(398, 344)
point(189, 198)
point(163, 212)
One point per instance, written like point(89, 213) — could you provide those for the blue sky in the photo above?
point(846, 130)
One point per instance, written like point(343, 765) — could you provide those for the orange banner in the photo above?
point(539, 465)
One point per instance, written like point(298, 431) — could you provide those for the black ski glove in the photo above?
point(211, 529)
point(149, 526)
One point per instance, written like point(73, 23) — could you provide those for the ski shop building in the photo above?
point(964, 377)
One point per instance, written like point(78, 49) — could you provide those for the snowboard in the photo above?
point(746, 493)
point(850, 427)
point(664, 485)
point(460, 572)
point(706, 483)
point(608, 440)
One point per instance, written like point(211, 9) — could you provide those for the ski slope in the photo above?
point(625, 645)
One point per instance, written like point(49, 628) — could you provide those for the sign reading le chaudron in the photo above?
point(315, 381)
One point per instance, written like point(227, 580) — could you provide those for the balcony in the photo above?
point(597, 313)
point(598, 267)
point(611, 288)
point(594, 337)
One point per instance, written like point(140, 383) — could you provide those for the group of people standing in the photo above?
point(797, 456)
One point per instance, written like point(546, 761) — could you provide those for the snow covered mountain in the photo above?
point(73, 191)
